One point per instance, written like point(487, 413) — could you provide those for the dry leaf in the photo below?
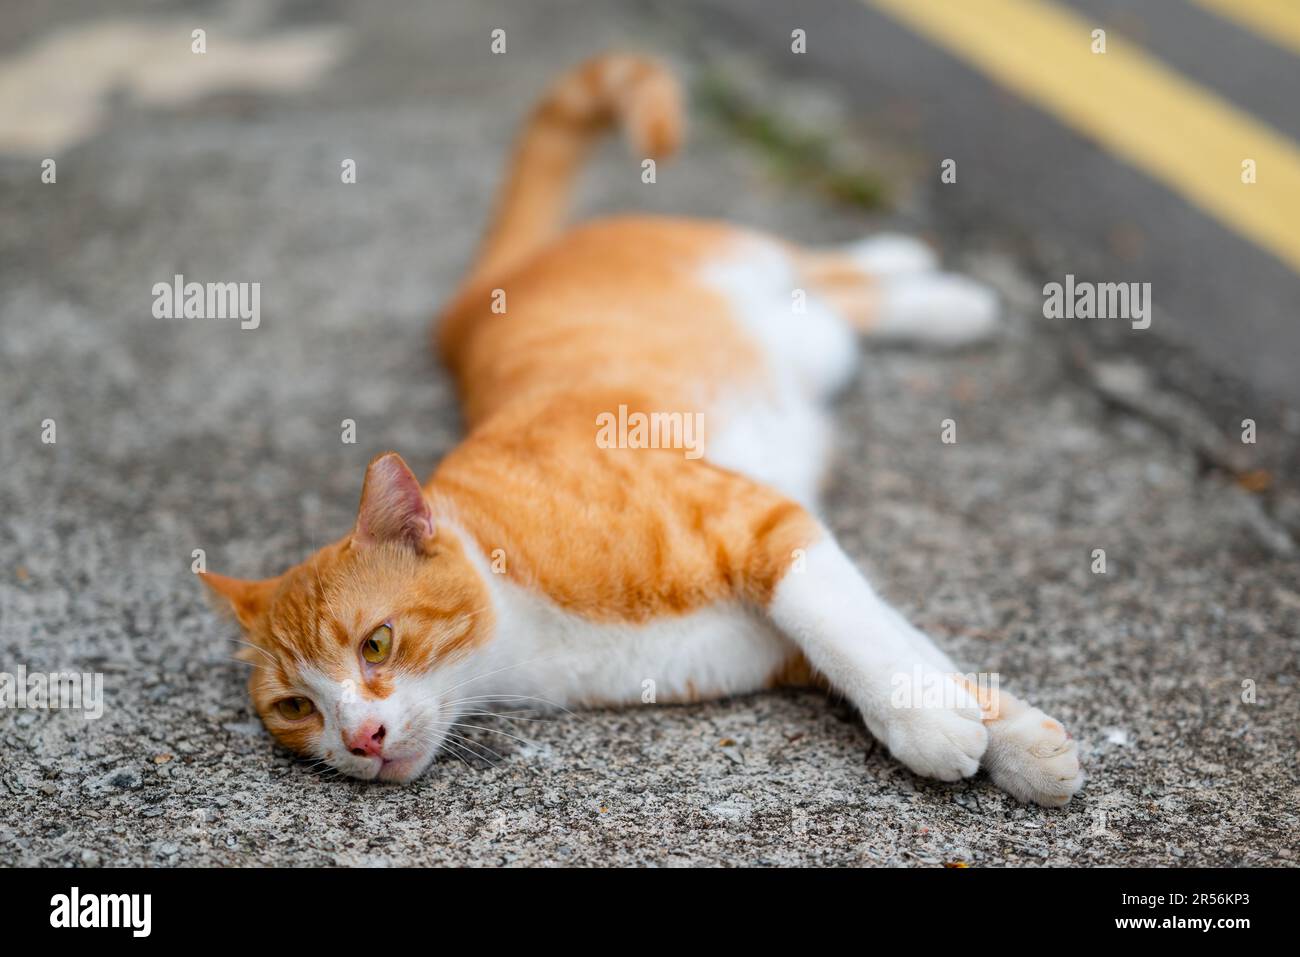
point(1260, 480)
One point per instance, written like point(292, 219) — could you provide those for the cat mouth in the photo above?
point(400, 769)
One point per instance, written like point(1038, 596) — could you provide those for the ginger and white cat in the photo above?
point(540, 564)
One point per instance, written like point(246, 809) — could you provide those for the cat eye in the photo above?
point(375, 649)
point(293, 709)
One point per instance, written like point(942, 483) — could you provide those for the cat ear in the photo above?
point(248, 600)
point(393, 506)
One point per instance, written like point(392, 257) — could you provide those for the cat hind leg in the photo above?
point(889, 287)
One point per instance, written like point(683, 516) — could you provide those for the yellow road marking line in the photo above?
point(1164, 124)
point(1275, 20)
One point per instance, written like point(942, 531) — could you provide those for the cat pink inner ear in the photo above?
point(393, 506)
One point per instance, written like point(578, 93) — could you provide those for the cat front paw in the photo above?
point(1033, 758)
point(938, 740)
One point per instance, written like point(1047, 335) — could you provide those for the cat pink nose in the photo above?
point(368, 740)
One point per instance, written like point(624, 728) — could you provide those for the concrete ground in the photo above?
point(174, 436)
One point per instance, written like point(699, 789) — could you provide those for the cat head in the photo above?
point(357, 651)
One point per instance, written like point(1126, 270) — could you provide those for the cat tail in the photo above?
point(635, 92)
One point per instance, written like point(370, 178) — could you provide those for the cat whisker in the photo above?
point(468, 745)
point(444, 748)
point(516, 697)
point(444, 730)
point(497, 671)
point(505, 715)
point(505, 734)
point(508, 717)
point(258, 648)
point(470, 741)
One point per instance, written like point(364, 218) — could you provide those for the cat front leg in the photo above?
point(863, 649)
point(1029, 754)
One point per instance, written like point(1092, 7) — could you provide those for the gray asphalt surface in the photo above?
point(181, 435)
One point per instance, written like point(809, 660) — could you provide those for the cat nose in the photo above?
point(367, 741)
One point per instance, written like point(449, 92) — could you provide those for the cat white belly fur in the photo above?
point(780, 434)
point(543, 651)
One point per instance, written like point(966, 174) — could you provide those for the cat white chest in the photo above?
point(543, 651)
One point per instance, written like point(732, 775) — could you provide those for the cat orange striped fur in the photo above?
point(634, 503)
